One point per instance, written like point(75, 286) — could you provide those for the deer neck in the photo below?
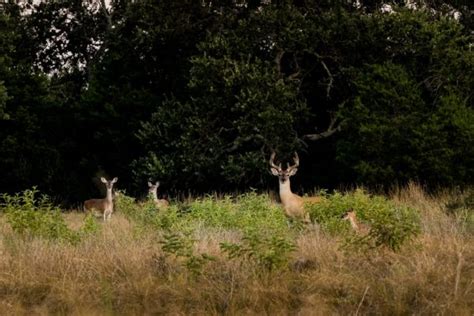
point(354, 223)
point(109, 196)
point(154, 195)
point(285, 190)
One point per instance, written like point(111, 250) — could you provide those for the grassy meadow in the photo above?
point(240, 255)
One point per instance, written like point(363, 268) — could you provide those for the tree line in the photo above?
point(197, 94)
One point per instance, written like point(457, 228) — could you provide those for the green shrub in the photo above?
point(390, 225)
point(256, 211)
point(268, 251)
point(36, 218)
point(146, 215)
point(213, 212)
point(181, 246)
point(126, 205)
point(90, 226)
point(246, 212)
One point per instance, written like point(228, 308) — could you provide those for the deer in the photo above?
point(358, 227)
point(152, 190)
point(293, 204)
point(104, 206)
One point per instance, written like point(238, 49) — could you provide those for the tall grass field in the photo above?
point(240, 255)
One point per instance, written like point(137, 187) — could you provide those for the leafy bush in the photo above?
point(213, 212)
point(390, 225)
point(268, 251)
point(36, 218)
point(146, 215)
point(247, 212)
point(126, 205)
point(31, 217)
point(393, 133)
point(181, 245)
point(90, 226)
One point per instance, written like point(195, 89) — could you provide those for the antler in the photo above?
point(272, 163)
point(296, 160)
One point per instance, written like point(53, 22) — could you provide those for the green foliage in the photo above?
point(32, 217)
point(247, 212)
point(3, 100)
point(126, 205)
point(192, 134)
point(268, 251)
point(23, 98)
point(390, 225)
point(252, 213)
point(181, 246)
point(90, 226)
point(408, 119)
point(199, 96)
point(146, 216)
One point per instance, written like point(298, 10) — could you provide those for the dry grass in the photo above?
point(121, 272)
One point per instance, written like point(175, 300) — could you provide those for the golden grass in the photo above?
point(121, 272)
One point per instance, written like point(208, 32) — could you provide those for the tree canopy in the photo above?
point(197, 94)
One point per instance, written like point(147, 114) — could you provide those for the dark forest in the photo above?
point(197, 94)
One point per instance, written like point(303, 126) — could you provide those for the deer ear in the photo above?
point(292, 172)
point(150, 184)
point(103, 180)
point(115, 180)
point(157, 183)
point(274, 171)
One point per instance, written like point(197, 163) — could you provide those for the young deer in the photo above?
point(104, 206)
point(292, 203)
point(358, 227)
point(152, 189)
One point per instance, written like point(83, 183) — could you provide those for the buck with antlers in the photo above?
point(103, 206)
point(293, 204)
point(152, 190)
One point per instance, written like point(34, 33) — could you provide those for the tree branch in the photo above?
point(331, 78)
point(294, 75)
point(106, 13)
point(239, 141)
point(278, 58)
point(328, 132)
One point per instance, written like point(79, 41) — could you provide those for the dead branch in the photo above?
point(328, 132)
point(294, 75)
point(331, 78)
point(278, 58)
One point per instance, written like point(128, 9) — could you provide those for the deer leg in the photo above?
point(106, 215)
point(307, 219)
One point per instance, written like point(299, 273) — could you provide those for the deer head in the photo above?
point(277, 170)
point(350, 214)
point(152, 187)
point(109, 184)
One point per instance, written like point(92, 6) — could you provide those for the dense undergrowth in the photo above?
point(240, 254)
point(31, 216)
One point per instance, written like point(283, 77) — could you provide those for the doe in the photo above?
point(152, 190)
point(104, 206)
point(358, 227)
